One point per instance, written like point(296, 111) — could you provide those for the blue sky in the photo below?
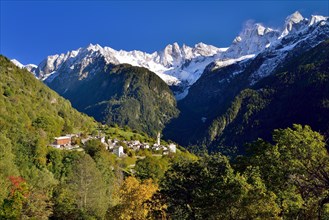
point(31, 30)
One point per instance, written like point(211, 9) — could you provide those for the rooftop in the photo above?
point(62, 138)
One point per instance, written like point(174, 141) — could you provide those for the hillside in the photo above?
point(40, 181)
point(29, 109)
point(240, 113)
point(298, 93)
point(31, 115)
point(119, 94)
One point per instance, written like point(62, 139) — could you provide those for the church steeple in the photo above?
point(158, 138)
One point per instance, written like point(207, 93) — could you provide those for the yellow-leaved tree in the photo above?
point(133, 196)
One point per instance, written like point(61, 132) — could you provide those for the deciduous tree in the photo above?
point(133, 197)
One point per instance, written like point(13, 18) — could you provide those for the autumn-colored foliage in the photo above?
point(18, 185)
point(133, 197)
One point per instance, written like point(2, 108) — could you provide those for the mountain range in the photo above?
point(178, 65)
point(175, 65)
point(205, 80)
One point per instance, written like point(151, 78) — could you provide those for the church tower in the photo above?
point(158, 138)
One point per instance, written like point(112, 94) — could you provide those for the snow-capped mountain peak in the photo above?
point(293, 23)
point(253, 39)
point(92, 47)
point(316, 18)
point(171, 55)
point(260, 29)
point(294, 18)
point(202, 49)
point(29, 67)
point(17, 63)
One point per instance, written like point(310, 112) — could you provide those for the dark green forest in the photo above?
point(297, 93)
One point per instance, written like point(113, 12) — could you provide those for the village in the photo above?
point(114, 145)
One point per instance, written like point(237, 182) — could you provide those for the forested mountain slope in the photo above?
point(297, 93)
point(30, 108)
point(119, 94)
point(31, 115)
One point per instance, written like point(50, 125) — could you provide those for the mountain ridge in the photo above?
point(181, 65)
